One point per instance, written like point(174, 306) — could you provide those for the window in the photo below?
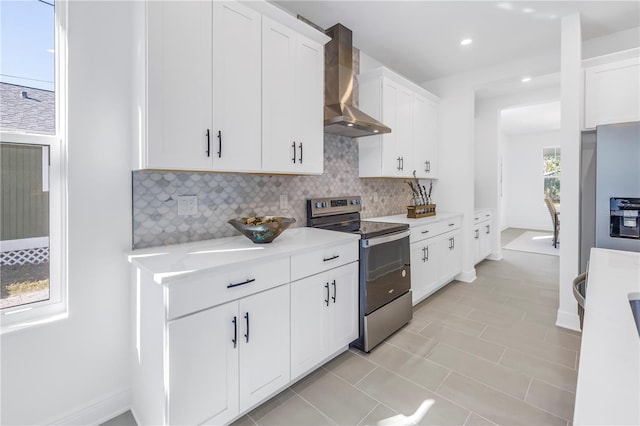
point(32, 163)
point(551, 172)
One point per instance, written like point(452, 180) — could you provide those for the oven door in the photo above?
point(385, 270)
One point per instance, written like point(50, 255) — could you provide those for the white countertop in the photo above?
point(402, 218)
point(608, 390)
point(174, 262)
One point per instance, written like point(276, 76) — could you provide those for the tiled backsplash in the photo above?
point(222, 196)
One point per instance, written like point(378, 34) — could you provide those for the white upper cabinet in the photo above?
point(612, 93)
point(179, 55)
point(235, 142)
point(411, 113)
point(232, 86)
point(425, 137)
point(292, 100)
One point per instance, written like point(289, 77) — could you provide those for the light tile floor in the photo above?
point(482, 353)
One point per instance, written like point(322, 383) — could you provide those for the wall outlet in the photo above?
point(187, 205)
point(284, 202)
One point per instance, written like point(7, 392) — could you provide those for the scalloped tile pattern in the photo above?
point(222, 196)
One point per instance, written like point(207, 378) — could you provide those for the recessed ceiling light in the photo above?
point(465, 42)
point(505, 6)
point(376, 131)
point(526, 79)
point(349, 124)
point(527, 10)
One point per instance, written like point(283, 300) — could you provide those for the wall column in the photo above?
point(570, 95)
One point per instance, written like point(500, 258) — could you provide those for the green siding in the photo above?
point(24, 206)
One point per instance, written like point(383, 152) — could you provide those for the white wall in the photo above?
point(490, 182)
point(525, 207)
point(454, 190)
point(52, 372)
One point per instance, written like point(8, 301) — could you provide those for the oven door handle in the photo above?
point(370, 242)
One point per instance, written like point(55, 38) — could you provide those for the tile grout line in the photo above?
point(503, 393)
point(468, 417)
point(555, 364)
point(370, 411)
point(528, 387)
point(314, 407)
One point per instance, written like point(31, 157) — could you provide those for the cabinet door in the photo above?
point(418, 278)
point(391, 153)
point(404, 131)
point(612, 93)
point(425, 137)
point(203, 367)
point(292, 101)
point(309, 107)
point(424, 268)
point(235, 139)
point(487, 236)
point(264, 344)
point(451, 260)
point(343, 306)
point(477, 243)
point(397, 145)
point(309, 306)
point(179, 67)
point(278, 97)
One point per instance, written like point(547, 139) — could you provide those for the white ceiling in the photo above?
point(421, 39)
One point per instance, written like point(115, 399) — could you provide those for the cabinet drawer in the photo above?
point(422, 232)
point(306, 264)
point(481, 216)
point(225, 284)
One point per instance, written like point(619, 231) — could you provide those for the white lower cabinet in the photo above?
point(436, 256)
point(434, 262)
point(214, 344)
point(324, 316)
point(482, 235)
point(225, 359)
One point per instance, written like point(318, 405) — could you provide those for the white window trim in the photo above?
point(33, 314)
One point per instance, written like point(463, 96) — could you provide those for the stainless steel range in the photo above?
point(385, 268)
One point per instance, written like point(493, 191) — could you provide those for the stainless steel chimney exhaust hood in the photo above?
point(341, 117)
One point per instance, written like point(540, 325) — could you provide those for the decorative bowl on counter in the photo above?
point(261, 229)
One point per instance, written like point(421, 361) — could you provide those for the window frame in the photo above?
point(32, 314)
point(557, 153)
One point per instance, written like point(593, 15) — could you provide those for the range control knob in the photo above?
point(318, 205)
point(324, 204)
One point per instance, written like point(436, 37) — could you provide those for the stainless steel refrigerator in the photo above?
point(610, 189)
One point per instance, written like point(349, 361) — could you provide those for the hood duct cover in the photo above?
point(341, 117)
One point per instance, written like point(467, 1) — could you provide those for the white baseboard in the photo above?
point(495, 256)
point(97, 411)
point(467, 276)
point(569, 320)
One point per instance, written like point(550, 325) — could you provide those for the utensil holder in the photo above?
point(423, 210)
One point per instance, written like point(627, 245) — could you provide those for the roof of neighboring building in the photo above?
point(26, 108)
